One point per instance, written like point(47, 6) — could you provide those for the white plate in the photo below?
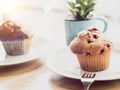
point(36, 51)
point(65, 63)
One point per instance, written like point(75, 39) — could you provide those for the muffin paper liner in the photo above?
point(16, 47)
point(94, 63)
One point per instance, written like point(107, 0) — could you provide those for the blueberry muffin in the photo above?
point(92, 50)
point(15, 40)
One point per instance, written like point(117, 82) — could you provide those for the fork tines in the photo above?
point(88, 75)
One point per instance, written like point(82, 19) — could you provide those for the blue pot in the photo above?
point(72, 27)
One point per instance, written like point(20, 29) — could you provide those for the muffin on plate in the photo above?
point(16, 41)
point(92, 50)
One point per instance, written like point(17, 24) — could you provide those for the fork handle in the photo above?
point(86, 86)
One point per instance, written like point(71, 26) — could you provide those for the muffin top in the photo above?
point(90, 42)
point(10, 31)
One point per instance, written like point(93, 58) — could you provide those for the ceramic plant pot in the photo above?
point(72, 27)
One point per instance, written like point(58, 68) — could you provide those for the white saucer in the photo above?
point(65, 63)
point(36, 51)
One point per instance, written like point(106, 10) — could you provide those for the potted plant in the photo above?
point(81, 18)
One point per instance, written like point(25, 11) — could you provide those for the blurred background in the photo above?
point(45, 18)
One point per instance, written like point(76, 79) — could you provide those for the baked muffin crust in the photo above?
point(90, 42)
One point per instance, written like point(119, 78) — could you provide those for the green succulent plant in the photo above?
point(81, 8)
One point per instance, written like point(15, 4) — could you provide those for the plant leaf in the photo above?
point(91, 2)
point(77, 1)
point(90, 7)
point(71, 4)
point(89, 10)
point(75, 9)
point(82, 12)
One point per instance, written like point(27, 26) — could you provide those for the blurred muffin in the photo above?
point(15, 40)
point(92, 50)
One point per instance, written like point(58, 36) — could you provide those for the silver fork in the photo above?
point(87, 79)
